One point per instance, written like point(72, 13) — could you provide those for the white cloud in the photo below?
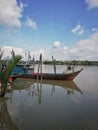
point(30, 23)
point(78, 30)
point(21, 51)
point(7, 51)
point(65, 48)
point(10, 13)
point(56, 44)
point(59, 51)
point(86, 49)
point(94, 29)
point(92, 3)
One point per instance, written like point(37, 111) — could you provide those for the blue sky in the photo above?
point(65, 29)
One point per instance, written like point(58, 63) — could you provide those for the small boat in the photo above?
point(53, 76)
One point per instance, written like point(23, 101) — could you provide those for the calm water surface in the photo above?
point(55, 105)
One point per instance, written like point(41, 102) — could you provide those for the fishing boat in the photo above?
point(40, 75)
point(53, 76)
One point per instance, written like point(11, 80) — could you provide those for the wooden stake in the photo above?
point(54, 64)
point(40, 69)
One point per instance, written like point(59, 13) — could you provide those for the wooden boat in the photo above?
point(50, 76)
point(53, 76)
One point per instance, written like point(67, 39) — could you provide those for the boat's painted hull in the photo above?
point(59, 76)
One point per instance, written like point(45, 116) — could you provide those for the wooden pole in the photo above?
point(54, 64)
point(41, 65)
point(40, 69)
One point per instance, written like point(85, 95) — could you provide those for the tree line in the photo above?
point(73, 62)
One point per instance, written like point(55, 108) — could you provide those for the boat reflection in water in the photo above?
point(31, 104)
point(34, 87)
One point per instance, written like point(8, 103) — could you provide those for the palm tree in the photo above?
point(7, 70)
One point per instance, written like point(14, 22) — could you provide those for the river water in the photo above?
point(52, 105)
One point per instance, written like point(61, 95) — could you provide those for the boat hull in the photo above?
point(58, 76)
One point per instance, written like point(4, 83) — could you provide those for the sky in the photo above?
point(64, 29)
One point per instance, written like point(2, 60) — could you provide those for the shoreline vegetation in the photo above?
point(73, 62)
